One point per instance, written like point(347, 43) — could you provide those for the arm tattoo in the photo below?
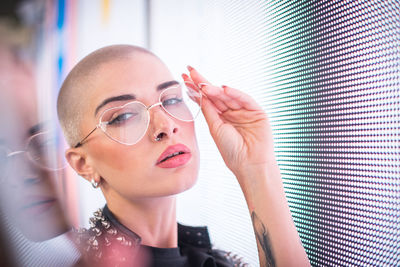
point(263, 239)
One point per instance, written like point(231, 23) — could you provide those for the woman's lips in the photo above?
point(174, 156)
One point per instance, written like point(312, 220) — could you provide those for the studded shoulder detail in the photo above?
point(108, 243)
point(102, 242)
point(237, 261)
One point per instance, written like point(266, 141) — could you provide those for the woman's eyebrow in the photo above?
point(164, 85)
point(159, 87)
point(35, 129)
point(113, 99)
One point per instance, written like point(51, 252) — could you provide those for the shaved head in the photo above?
point(72, 97)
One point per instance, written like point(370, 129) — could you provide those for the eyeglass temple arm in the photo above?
point(83, 140)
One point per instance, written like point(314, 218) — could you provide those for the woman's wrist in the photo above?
point(260, 181)
point(251, 174)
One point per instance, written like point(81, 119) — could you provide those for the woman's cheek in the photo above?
point(113, 155)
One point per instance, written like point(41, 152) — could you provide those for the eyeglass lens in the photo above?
point(42, 150)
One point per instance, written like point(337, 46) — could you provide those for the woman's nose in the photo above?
point(162, 125)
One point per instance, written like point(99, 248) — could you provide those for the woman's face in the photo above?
point(30, 198)
point(133, 171)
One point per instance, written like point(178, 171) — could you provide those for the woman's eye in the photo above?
point(172, 101)
point(121, 118)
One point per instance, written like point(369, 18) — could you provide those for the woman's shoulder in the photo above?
point(104, 242)
point(107, 241)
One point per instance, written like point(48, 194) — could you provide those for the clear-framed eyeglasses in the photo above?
point(127, 124)
point(40, 149)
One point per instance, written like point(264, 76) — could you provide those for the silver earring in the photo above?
point(157, 138)
point(94, 184)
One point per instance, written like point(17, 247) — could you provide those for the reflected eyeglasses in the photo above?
point(40, 149)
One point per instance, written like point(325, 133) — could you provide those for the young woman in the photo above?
point(132, 135)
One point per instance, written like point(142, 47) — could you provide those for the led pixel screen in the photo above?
point(333, 79)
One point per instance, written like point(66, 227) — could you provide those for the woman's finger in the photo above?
point(189, 83)
point(226, 98)
point(242, 98)
point(219, 105)
point(216, 94)
point(197, 78)
point(201, 83)
point(211, 115)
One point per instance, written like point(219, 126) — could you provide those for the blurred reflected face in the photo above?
point(28, 195)
point(31, 199)
point(148, 168)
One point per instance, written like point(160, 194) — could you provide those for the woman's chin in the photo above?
point(178, 187)
point(44, 226)
point(186, 186)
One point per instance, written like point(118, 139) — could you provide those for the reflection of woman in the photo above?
point(28, 193)
point(30, 209)
point(130, 136)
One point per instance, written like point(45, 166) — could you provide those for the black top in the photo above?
point(109, 243)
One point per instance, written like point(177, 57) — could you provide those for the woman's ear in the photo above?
point(78, 161)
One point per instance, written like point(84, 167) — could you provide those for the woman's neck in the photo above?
point(154, 220)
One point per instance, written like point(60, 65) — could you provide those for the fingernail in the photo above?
point(185, 76)
point(190, 68)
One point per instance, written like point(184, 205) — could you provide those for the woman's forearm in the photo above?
point(278, 242)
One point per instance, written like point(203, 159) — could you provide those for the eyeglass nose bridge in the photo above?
point(154, 105)
point(162, 107)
